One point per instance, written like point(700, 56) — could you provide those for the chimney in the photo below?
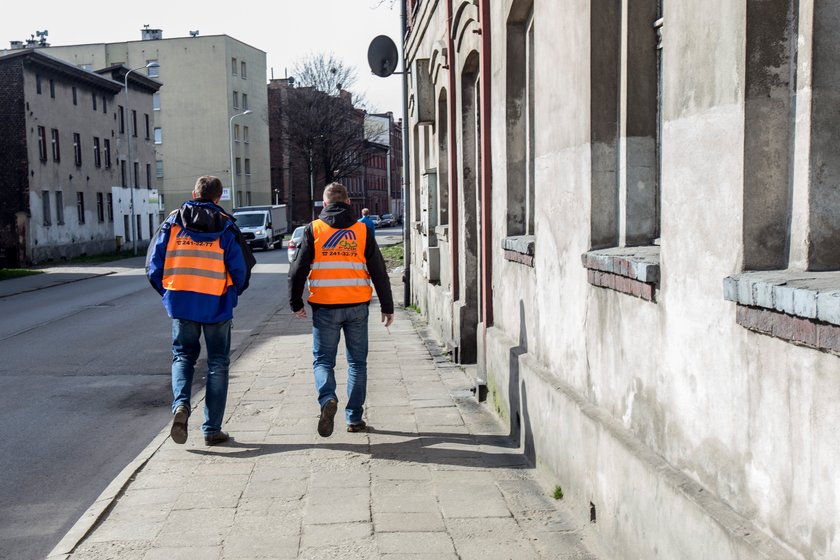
point(151, 34)
point(16, 45)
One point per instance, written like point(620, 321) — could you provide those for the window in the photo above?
point(56, 149)
point(77, 148)
point(107, 153)
point(233, 66)
point(93, 101)
point(100, 207)
point(134, 123)
point(158, 135)
point(236, 100)
point(75, 98)
point(146, 121)
point(238, 166)
point(80, 206)
point(136, 174)
point(45, 207)
point(42, 143)
point(245, 135)
point(148, 175)
point(154, 71)
point(59, 208)
point(159, 168)
point(236, 133)
point(104, 104)
point(247, 166)
point(52, 88)
point(38, 84)
point(123, 173)
point(121, 116)
point(151, 225)
point(244, 100)
point(243, 73)
point(156, 101)
point(110, 199)
point(139, 228)
point(97, 156)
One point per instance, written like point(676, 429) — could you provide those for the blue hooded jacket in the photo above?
point(203, 221)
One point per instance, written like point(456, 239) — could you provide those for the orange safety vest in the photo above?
point(194, 266)
point(339, 273)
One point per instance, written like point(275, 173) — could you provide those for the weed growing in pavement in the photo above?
point(416, 309)
point(558, 493)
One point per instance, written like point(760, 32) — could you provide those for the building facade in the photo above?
point(626, 215)
point(199, 126)
point(63, 151)
point(382, 129)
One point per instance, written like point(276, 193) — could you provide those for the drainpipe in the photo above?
point(406, 175)
point(486, 169)
point(452, 99)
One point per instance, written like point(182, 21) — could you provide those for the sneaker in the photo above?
point(217, 438)
point(357, 426)
point(325, 422)
point(179, 424)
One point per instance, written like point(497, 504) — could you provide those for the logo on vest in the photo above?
point(341, 243)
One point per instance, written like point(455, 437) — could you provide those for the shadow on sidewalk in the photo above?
point(424, 448)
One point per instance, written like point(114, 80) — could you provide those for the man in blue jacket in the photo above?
point(200, 265)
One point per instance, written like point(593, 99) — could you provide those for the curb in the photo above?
point(100, 508)
point(54, 284)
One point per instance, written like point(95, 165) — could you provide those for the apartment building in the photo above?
point(199, 124)
point(625, 214)
point(64, 169)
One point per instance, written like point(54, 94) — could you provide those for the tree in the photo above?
point(326, 132)
point(327, 73)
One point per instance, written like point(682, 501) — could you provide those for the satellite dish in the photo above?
point(383, 56)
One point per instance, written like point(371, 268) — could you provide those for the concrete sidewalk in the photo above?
point(435, 476)
point(66, 273)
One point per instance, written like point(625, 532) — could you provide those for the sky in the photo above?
point(287, 30)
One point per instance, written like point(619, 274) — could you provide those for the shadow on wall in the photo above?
point(517, 394)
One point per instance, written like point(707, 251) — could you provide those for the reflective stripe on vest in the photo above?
point(194, 266)
point(339, 273)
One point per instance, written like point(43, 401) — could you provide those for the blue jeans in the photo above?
point(186, 346)
point(327, 324)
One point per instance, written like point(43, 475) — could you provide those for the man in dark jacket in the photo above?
point(200, 265)
point(339, 256)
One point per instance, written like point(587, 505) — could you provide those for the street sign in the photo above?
point(225, 193)
point(319, 204)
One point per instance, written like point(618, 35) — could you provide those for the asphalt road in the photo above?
point(84, 387)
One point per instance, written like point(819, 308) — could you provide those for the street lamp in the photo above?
point(130, 164)
point(232, 170)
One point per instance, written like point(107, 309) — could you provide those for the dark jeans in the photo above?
point(186, 346)
point(327, 324)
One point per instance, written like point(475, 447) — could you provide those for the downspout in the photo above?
point(453, 156)
point(486, 169)
point(406, 175)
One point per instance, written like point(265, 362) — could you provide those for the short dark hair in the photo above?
point(335, 192)
point(208, 187)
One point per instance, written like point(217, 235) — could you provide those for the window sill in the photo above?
point(800, 307)
point(629, 270)
point(519, 249)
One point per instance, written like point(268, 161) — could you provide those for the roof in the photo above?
point(118, 72)
point(47, 62)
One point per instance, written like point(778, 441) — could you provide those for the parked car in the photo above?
point(294, 242)
point(387, 220)
point(376, 220)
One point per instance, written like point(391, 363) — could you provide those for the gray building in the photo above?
point(63, 158)
point(209, 81)
point(625, 214)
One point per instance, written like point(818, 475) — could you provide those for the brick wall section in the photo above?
point(622, 284)
point(14, 184)
point(513, 256)
point(800, 331)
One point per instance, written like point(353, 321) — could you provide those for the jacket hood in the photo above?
point(338, 215)
point(203, 216)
